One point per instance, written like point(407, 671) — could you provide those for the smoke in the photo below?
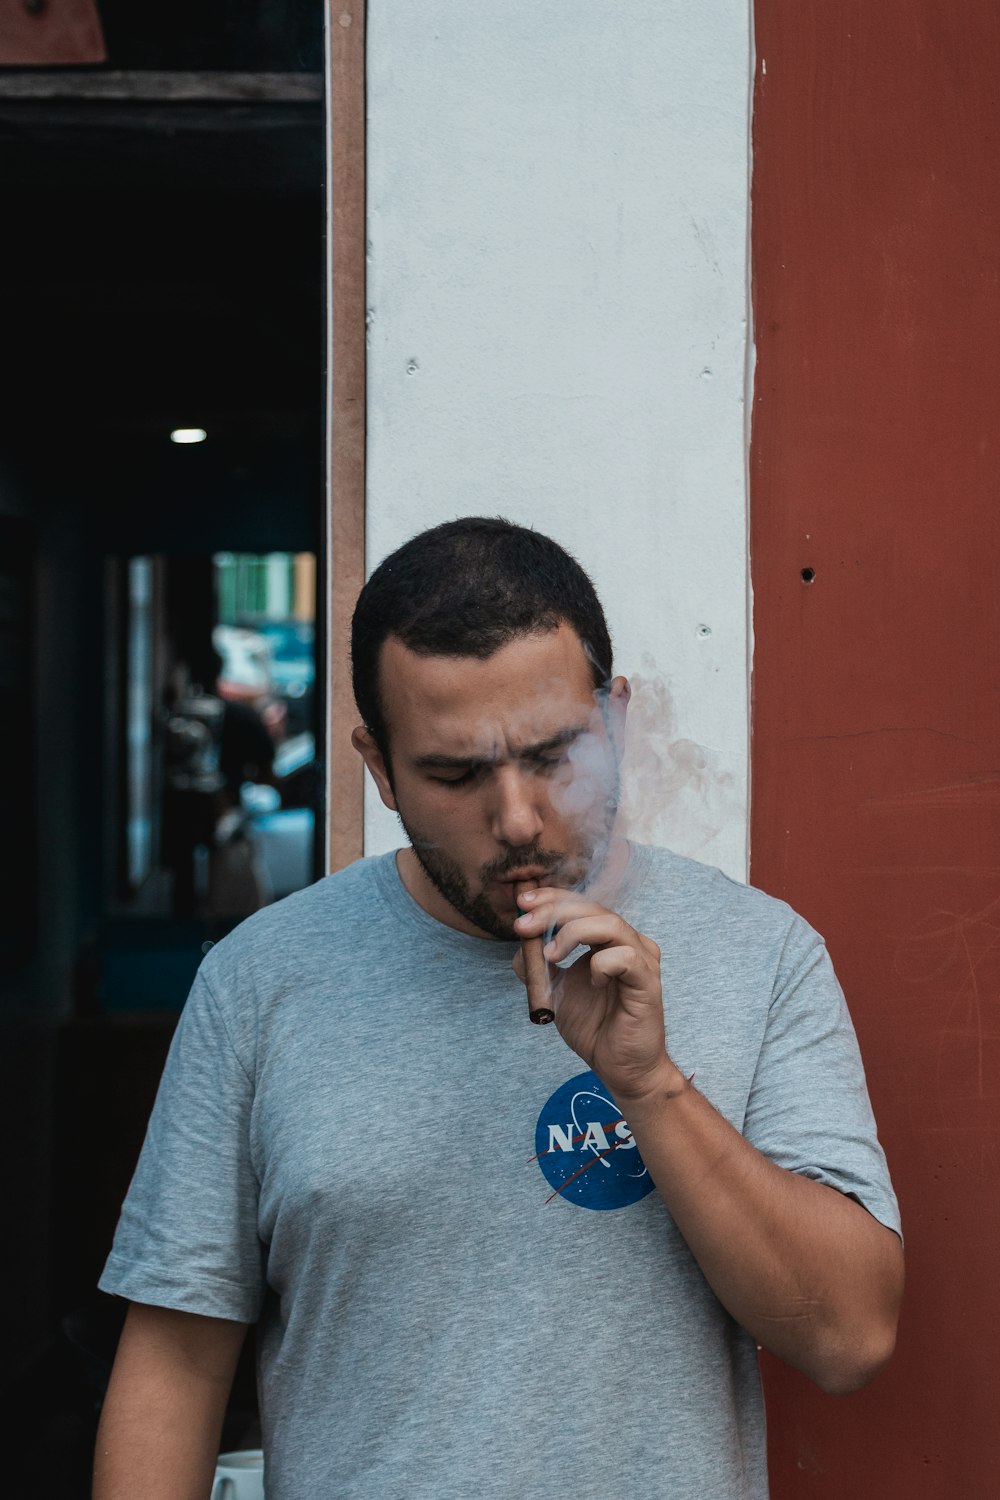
point(674, 791)
point(641, 779)
point(586, 786)
point(623, 776)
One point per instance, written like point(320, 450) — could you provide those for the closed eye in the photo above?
point(546, 762)
point(459, 778)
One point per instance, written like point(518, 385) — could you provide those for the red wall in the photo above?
point(875, 461)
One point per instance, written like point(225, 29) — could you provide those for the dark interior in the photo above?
point(162, 266)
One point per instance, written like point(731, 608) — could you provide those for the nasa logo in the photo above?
point(585, 1149)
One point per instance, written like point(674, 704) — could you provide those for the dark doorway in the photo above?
point(161, 269)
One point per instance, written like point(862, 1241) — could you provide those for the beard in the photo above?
point(450, 881)
point(570, 871)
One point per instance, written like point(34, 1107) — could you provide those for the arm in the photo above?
point(807, 1271)
point(162, 1417)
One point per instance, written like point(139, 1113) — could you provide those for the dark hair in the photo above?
point(465, 589)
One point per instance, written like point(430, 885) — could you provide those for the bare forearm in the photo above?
point(162, 1417)
point(170, 1454)
point(808, 1272)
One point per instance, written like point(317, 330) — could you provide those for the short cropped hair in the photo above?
point(466, 588)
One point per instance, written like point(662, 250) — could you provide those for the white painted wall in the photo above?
point(558, 334)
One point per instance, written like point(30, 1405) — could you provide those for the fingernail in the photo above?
point(527, 896)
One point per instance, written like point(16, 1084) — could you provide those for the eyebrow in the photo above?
point(558, 741)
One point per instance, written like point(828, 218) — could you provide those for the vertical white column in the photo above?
point(558, 318)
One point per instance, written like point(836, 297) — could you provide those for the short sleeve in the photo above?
point(187, 1237)
point(809, 1109)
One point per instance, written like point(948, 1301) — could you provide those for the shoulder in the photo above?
point(705, 888)
point(309, 925)
point(712, 907)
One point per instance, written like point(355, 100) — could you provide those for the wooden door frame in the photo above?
point(345, 414)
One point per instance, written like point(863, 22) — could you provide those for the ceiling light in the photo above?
point(188, 435)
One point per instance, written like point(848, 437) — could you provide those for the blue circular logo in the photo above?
point(585, 1148)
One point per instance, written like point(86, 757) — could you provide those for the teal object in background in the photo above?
point(141, 979)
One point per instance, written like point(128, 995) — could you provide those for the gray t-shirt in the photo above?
point(465, 1283)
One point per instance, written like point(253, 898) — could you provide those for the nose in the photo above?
point(516, 814)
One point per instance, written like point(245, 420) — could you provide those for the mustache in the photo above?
point(516, 858)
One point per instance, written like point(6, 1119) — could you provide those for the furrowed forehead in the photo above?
point(534, 687)
point(552, 745)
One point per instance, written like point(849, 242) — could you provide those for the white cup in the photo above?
point(239, 1476)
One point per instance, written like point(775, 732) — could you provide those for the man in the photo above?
point(489, 1259)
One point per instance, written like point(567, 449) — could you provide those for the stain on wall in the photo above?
point(875, 465)
point(675, 790)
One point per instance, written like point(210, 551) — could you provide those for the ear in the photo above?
point(375, 761)
point(616, 708)
point(615, 711)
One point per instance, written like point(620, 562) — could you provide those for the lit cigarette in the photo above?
point(536, 970)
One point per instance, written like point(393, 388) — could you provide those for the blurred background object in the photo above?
point(161, 269)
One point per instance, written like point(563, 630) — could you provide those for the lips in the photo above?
point(526, 872)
